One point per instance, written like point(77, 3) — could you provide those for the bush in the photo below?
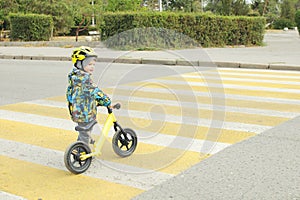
point(171, 30)
point(281, 23)
point(73, 32)
point(297, 20)
point(30, 27)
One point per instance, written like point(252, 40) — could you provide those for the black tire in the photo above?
point(72, 157)
point(124, 143)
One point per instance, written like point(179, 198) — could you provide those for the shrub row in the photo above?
point(297, 19)
point(154, 29)
point(281, 23)
point(172, 30)
point(30, 27)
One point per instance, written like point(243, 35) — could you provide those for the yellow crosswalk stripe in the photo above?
point(38, 110)
point(245, 76)
point(207, 100)
point(234, 82)
point(208, 114)
point(38, 135)
point(221, 75)
point(262, 72)
point(53, 138)
point(244, 71)
point(146, 107)
point(191, 131)
point(208, 89)
point(34, 181)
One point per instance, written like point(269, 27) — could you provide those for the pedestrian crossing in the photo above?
point(180, 120)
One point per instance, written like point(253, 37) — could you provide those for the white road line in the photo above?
point(177, 92)
point(232, 73)
point(145, 179)
point(8, 196)
point(259, 70)
point(182, 105)
point(200, 146)
point(206, 78)
point(38, 120)
point(212, 123)
point(216, 85)
point(183, 143)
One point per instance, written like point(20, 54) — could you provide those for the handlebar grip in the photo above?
point(117, 106)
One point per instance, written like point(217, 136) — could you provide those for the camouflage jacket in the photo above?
point(84, 96)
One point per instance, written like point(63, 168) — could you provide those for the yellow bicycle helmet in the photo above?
point(82, 53)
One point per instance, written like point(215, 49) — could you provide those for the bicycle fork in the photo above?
point(110, 120)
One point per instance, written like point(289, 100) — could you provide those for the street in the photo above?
point(24, 80)
point(182, 115)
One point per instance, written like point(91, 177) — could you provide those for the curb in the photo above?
point(158, 61)
point(177, 62)
point(51, 44)
point(284, 67)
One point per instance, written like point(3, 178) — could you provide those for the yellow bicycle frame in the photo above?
point(98, 146)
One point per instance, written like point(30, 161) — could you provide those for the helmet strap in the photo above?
point(81, 65)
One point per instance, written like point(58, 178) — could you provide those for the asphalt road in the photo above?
point(262, 167)
point(24, 80)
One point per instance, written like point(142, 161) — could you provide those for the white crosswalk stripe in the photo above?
point(253, 80)
point(53, 158)
point(169, 118)
point(159, 139)
point(218, 125)
point(7, 196)
point(213, 94)
point(220, 85)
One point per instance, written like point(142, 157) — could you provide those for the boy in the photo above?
point(83, 95)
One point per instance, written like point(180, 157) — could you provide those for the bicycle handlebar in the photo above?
point(116, 106)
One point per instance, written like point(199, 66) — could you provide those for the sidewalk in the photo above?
point(281, 51)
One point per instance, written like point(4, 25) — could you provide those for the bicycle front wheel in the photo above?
point(124, 142)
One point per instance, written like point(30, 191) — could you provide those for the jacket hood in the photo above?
point(77, 73)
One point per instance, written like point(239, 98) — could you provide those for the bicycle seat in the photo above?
point(88, 127)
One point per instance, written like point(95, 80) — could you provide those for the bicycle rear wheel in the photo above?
point(72, 157)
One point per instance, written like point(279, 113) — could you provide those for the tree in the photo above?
point(151, 4)
point(240, 7)
point(123, 5)
point(197, 6)
point(84, 12)
point(7, 7)
point(58, 9)
point(228, 7)
point(257, 6)
point(297, 20)
point(288, 10)
point(184, 5)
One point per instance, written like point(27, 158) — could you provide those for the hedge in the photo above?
point(297, 20)
point(30, 27)
point(173, 30)
point(282, 23)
